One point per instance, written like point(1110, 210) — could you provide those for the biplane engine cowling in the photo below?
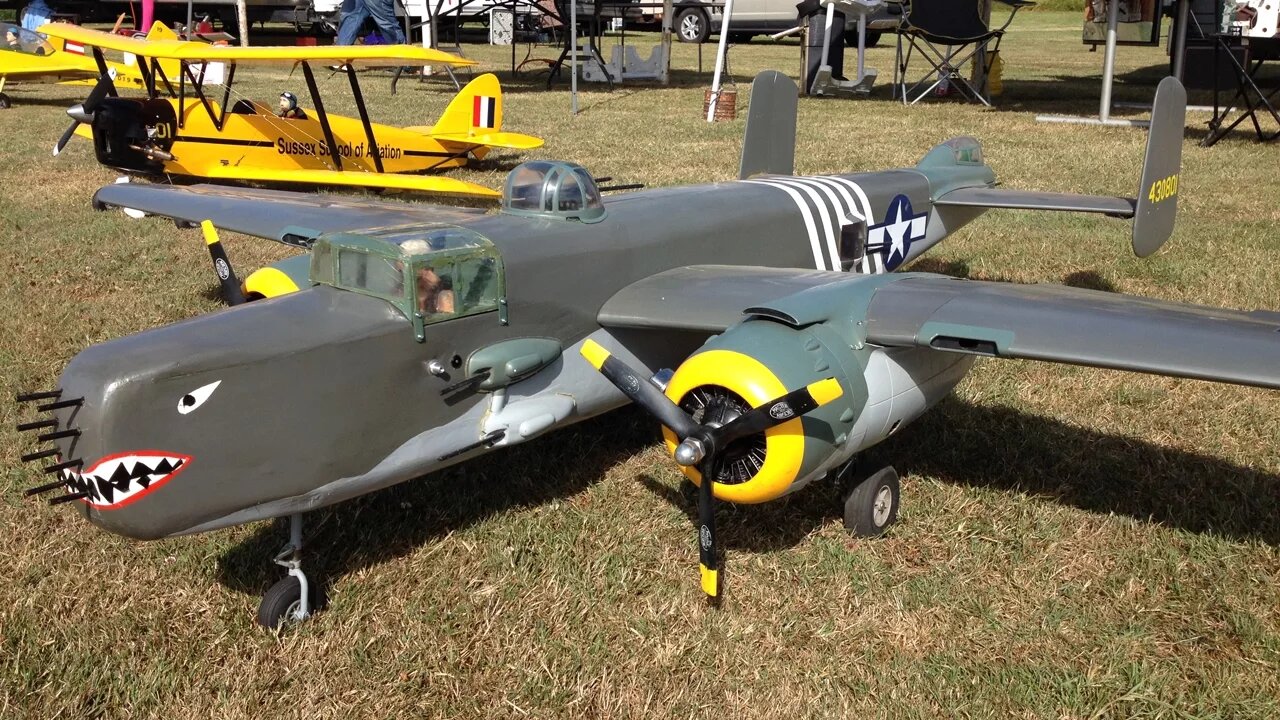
point(133, 134)
point(751, 364)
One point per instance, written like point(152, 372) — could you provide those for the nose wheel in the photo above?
point(292, 599)
point(4, 102)
point(871, 506)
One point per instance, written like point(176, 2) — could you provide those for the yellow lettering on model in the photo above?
point(1163, 189)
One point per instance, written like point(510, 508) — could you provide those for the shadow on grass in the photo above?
point(1002, 448)
point(988, 447)
point(393, 522)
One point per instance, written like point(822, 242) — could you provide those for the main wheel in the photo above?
point(872, 505)
point(281, 603)
point(692, 25)
point(4, 102)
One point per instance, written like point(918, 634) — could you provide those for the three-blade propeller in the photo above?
point(83, 113)
point(700, 444)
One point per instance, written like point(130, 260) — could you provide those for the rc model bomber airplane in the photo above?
point(178, 129)
point(422, 336)
point(29, 56)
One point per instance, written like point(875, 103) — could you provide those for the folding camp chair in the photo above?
point(948, 34)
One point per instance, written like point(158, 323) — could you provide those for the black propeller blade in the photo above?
point(699, 443)
point(83, 113)
point(639, 390)
point(230, 285)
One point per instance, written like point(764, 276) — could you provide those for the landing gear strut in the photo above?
point(871, 505)
point(293, 598)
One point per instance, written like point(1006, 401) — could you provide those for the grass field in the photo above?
point(1074, 543)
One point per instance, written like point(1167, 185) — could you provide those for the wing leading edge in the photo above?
point(292, 217)
point(1079, 327)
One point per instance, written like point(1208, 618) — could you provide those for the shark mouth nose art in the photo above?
point(120, 479)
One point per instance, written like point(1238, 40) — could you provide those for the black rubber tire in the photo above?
point(864, 514)
point(740, 38)
point(851, 37)
point(4, 102)
point(278, 602)
point(698, 26)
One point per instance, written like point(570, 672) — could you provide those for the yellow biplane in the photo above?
point(26, 55)
point(178, 129)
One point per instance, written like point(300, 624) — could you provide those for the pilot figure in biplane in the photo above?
point(289, 107)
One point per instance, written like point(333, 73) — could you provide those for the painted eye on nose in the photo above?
point(196, 398)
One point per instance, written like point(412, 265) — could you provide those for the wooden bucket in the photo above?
point(726, 106)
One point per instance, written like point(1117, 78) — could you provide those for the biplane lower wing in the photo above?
point(1045, 322)
point(433, 184)
point(509, 140)
point(291, 217)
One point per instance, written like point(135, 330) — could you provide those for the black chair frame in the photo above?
point(947, 54)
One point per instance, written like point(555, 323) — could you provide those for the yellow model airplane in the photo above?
point(25, 55)
point(172, 133)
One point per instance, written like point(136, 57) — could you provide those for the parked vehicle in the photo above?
point(697, 21)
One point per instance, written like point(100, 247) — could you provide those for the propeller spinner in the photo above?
point(701, 444)
point(83, 113)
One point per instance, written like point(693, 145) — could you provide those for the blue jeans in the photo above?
point(36, 13)
point(383, 12)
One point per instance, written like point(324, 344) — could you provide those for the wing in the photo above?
point(1003, 320)
point(197, 52)
point(23, 65)
point(1077, 326)
point(272, 214)
point(706, 298)
point(514, 141)
point(432, 184)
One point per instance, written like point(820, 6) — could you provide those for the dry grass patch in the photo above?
point(1074, 543)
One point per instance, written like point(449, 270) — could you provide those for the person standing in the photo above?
point(35, 14)
point(383, 12)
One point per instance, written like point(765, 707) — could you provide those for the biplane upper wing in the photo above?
point(291, 217)
point(1046, 322)
point(198, 52)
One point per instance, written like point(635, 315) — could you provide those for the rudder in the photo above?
point(1157, 201)
point(477, 109)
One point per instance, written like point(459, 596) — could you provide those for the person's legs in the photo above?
point(35, 14)
point(354, 13)
point(383, 13)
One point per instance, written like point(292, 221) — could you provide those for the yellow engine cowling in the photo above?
point(751, 364)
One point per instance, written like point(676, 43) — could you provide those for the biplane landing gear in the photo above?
point(871, 505)
point(293, 598)
point(4, 102)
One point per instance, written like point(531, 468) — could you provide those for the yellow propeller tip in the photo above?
point(594, 353)
point(209, 231)
point(710, 581)
point(824, 391)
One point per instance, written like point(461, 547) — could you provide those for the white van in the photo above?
point(696, 21)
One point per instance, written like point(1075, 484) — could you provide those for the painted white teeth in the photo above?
point(112, 482)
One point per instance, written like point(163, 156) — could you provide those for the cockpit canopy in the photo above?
point(543, 188)
point(451, 271)
point(24, 41)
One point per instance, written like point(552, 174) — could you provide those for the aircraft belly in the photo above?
point(902, 383)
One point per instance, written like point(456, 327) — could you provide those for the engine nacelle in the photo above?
point(753, 363)
point(134, 134)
